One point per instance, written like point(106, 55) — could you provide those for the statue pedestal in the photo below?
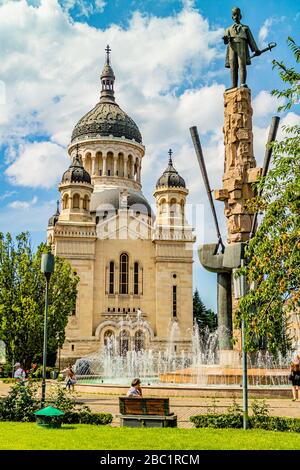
point(230, 358)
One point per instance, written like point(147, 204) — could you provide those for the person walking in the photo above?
point(70, 377)
point(19, 374)
point(295, 375)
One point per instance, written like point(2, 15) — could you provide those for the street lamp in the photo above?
point(239, 285)
point(47, 267)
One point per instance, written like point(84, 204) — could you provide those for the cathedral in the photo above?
point(135, 268)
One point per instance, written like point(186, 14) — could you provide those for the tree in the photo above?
point(203, 316)
point(22, 297)
point(274, 252)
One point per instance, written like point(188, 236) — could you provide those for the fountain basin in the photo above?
point(217, 375)
point(189, 390)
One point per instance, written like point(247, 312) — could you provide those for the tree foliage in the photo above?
point(274, 252)
point(22, 300)
point(203, 316)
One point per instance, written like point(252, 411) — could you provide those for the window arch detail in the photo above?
point(124, 262)
point(76, 201)
point(136, 276)
point(111, 286)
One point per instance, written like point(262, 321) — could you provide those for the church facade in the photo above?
point(135, 269)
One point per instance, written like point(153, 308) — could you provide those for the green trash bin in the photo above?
point(49, 417)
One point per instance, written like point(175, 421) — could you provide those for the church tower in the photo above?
point(135, 274)
point(174, 258)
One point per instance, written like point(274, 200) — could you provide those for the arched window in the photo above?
point(139, 341)
point(174, 301)
point(136, 278)
point(109, 340)
point(124, 342)
point(76, 200)
point(86, 203)
point(123, 274)
point(111, 289)
point(66, 201)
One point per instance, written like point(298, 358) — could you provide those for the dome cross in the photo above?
point(108, 51)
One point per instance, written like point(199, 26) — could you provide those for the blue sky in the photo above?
point(168, 57)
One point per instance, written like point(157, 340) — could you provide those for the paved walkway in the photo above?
point(182, 407)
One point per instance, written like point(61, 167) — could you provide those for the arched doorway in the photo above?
point(124, 342)
point(139, 341)
point(109, 341)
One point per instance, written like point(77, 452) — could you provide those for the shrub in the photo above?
point(6, 370)
point(217, 420)
point(61, 399)
point(20, 403)
point(260, 419)
point(87, 417)
point(38, 373)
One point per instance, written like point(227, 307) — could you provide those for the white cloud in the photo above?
point(25, 205)
point(266, 34)
point(83, 7)
point(264, 104)
point(7, 195)
point(52, 82)
point(40, 164)
point(35, 219)
point(264, 31)
point(261, 135)
point(59, 78)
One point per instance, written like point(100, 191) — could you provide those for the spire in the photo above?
point(107, 80)
point(170, 177)
point(57, 208)
point(76, 160)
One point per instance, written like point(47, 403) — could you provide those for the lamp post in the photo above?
point(47, 267)
point(239, 285)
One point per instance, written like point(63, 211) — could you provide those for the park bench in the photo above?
point(146, 413)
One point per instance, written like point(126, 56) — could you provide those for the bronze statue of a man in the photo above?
point(239, 38)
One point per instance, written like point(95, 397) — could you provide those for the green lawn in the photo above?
point(17, 436)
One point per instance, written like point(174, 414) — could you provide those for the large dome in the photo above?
point(106, 119)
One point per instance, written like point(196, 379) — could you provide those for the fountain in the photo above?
point(199, 367)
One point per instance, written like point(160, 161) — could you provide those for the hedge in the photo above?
point(225, 420)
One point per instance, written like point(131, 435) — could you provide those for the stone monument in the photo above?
point(240, 170)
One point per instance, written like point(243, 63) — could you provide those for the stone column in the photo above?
point(104, 164)
point(224, 310)
point(139, 171)
point(93, 165)
point(240, 172)
point(115, 164)
point(240, 169)
point(132, 169)
point(125, 166)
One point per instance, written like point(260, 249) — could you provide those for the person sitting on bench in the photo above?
point(135, 390)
